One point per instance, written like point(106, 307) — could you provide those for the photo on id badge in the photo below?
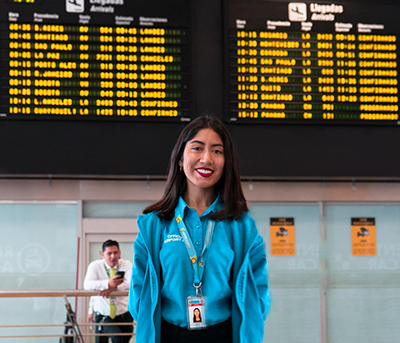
point(196, 313)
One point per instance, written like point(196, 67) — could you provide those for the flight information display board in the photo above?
point(312, 61)
point(95, 59)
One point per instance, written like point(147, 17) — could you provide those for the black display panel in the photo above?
point(96, 59)
point(312, 62)
point(140, 149)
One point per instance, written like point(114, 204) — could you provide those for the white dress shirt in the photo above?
point(96, 279)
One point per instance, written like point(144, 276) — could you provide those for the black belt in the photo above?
point(101, 316)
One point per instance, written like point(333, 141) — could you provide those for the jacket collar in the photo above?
point(214, 207)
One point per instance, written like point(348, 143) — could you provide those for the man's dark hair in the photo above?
point(109, 243)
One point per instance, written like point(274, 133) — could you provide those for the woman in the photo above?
point(198, 244)
point(196, 316)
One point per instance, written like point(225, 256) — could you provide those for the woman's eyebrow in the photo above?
point(202, 143)
point(197, 142)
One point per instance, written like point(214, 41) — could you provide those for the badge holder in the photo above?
point(196, 310)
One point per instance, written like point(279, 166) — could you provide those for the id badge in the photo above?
point(196, 311)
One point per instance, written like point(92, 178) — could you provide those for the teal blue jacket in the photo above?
point(251, 296)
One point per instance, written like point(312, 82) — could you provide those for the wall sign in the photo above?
point(363, 237)
point(282, 237)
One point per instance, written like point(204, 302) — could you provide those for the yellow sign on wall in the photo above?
point(282, 237)
point(363, 237)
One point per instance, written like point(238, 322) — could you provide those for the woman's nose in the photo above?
point(207, 156)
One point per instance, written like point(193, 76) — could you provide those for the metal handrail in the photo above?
point(54, 293)
point(58, 293)
point(57, 325)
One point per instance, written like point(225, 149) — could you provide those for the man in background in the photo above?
point(109, 274)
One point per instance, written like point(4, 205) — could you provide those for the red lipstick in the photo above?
point(205, 172)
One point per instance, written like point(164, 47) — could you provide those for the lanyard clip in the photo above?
point(198, 289)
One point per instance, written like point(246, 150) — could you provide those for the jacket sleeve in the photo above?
point(259, 265)
point(139, 268)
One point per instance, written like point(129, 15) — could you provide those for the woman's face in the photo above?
point(203, 160)
point(196, 312)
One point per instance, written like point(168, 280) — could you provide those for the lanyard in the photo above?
point(198, 265)
point(108, 273)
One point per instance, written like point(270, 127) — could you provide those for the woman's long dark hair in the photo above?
point(229, 186)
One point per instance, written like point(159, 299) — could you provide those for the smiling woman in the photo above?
point(220, 256)
point(203, 163)
point(229, 184)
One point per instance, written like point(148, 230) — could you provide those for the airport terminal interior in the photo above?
point(94, 94)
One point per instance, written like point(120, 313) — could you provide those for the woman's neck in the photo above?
point(200, 200)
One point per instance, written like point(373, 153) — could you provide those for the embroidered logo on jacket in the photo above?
point(173, 238)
